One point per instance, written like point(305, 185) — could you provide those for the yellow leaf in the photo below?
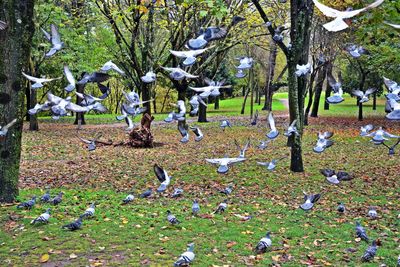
point(44, 258)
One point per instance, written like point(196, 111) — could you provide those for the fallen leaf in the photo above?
point(231, 244)
point(73, 256)
point(44, 258)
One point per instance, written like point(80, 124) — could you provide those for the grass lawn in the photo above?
point(138, 234)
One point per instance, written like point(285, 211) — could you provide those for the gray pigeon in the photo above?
point(146, 193)
point(380, 135)
point(336, 86)
point(89, 212)
point(398, 261)
point(205, 36)
point(91, 143)
point(128, 198)
point(184, 133)
point(370, 253)
point(223, 163)
point(372, 213)
point(364, 130)
point(195, 207)
point(356, 51)
point(309, 201)
point(292, 130)
point(179, 74)
point(163, 177)
point(360, 232)
point(45, 197)
point(227, 190)
point(55, 40)
point(149, 77)
point(263, 144)
point(38, 82)
point(43, 218)
point(264, 244)
point(177, 192)
point(245, 63)
point(186, 258)
point(240, 74)
point(4, 129)
point(172, 219)
point(3, 25)
point(303, 70)
point(341, 208)
point(270, 165)
point(109, 65)
point(70, 78)
point(222, 206)
point(27, 204)
point(242, 151)
point(323, 142)
point(95, 77)
point(335, 177)
point(224, 124)
point(57, 199)
point(363, 96)
point(75, 225)
point(274, 132)
point(255, 119)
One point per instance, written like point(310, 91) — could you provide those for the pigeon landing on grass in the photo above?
point(370, 253)
point(27, 204)
point(337, 96)
point(43, 218)
point(227, 190)
point(57, 199)
point(274, 132)
point(222, 206)
point(264, 244)
point(360, 232)
point(309, 201)
point(335, 177)
point(270, 165)
point(89, 212)
point(146, 193)
point(224, 124)
point(177, 192)
point(323, 142)
point(242, 151)
point(46, 197)
point(195, 207)
point(380, 135)
point(129, 198)
point(223, 163)
point(263, 144)
point(255, 119)
point(172, 219)
point(186, 258)
point(372, 213)
point(365, 130)
point(363, 96)
point(4, 129)
point(75, 225)
point(292, 130)
point(163, 177)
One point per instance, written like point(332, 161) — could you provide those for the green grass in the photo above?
point(138, 234)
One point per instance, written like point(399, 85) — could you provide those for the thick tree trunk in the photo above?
point(268, 90)
point(328, 89)
point(301, 12)
point(15, 45)
point(317, 93)
point(79, 116)
point(202, 113)
point(360, 105)
point(216, 103)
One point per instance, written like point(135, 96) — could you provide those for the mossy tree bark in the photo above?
point(15, 45)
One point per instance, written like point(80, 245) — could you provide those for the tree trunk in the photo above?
point(317, 93)
point(360, 105)
point(328, 89)
point(244, 101)
point(216, 104)
point(79, 116)
point(32, 100)
point(268, 90)
point(15, 45)
point(202, 113)
point(301, 12)
point(374, 102)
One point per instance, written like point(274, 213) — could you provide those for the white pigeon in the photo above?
point(38, 82)
point(189, 56)
point(186, 258)
point(179, 74)
point(212, 88)
point(70, 79)
point(338, 24)
point(109, 65)
point(303, 70)
point(149, 77)
point(380, 135)
point(274, 132)
point(245, 63)
point(372, 213)
point(55, 40)
point(43, 218)
point(337, 96)
point(223, 163)
point(4, 129)
point(363, 96)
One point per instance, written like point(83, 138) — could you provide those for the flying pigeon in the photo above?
point(224, 124)
point(245, 63)
point(264, 244)
point(40, 107)
point(109, 65)
point(270, 165)
point(365, 130)
point(146, 193)
point(128, 198)
point(179, 74)
point(172, 219)
point(323, 142)
point(149, 77)
point(356, 51)
point(274, 132)
point(370, 253)
point(222, 206)
point(335, 177)
point(227, 190)
point(339, 24)
point(43, 218)
point(163, 177)
point(396, 26)
point(372, 213)
point(95, 77)
point(89, 212)
point(255, 119)
point(184, 133)
point(292, 129)
point(38, 82)
point(212, 88)
point(240, 74)
point(180, 116)
point(189, 56)
point(380, 135)
point(88, 99)
point(303, 70)
point(337, 96)
point(195, 207)
point(4, 129)
point(75, 225)
point(242, 151)
point(224, 163)
point(263, 144)
point(309, 201)
point(177, 192)
point(186, 258)
point(3, 25)
point(195, 102)
point(70, 79)
point(91, 143)
point(27, 204)
point(393, 89)
point(395, 113)
point(55, 40)
point(206, 35)
point(341, 208)
point(45, 197)
point(57, 199)
point(363, 96)
point(198, 133)
point(360, 232)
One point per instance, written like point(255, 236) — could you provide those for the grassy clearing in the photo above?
point(138, 234)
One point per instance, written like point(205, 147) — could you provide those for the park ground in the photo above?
point(139, 235)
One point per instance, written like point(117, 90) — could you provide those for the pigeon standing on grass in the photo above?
point(222, 206)
point(370, 253)
point(195, 207)
point(372, 213)
point(27, 204)
point(89, 212)
point(227, 190)
point(172, 219)
point(177, 192)
point(198, 133)
point(309, 201)
point(46, 197)
point(146, 193)
point(43, 218)
point(341, 208)
point(57, 199)
point(224, 124)
point(129, 198)
point(364, 130)
point(360, 232)
point(186, 258)
point(264, 244)
point(323, 142)
point(75, 225)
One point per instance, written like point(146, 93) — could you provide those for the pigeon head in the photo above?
point(268, 235)
point(191, 247)
point(48, 210)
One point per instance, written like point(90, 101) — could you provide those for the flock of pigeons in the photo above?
point(131, 108)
